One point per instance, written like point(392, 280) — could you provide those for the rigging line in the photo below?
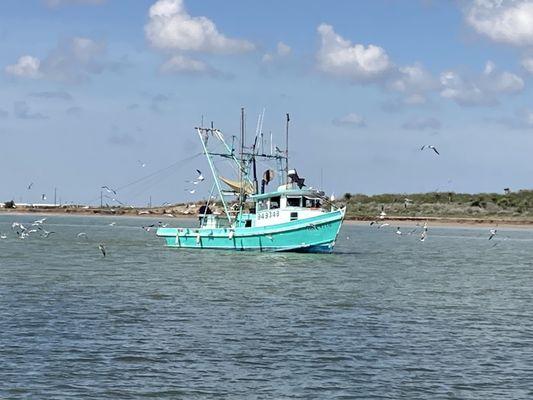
point(174, 164)
point(185, 160)
point(150, 184)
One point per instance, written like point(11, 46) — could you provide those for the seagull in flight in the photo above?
point(492, 233)
point(38, 222)
point(200, 177)
point(30, 186)
point(112, 223)
point(191, 191)
point(430, 146)
point(142, 164)
point(82, 234)
point(109, 190)
point(46, 233)
point(102, 248)
point(43, 196)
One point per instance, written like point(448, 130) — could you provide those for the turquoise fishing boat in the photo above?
point(292, 217)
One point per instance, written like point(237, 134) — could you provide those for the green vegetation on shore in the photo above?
point(512, 206)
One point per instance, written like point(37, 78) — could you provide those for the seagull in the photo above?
point(382, 225)
point(43, 196)
point(382, 214)
point(398, 231)
point(142, 164)
point(423, 236)
point(200, 177)
point(102, 248)
point(191, 191)
point(45, 233)
point(30, 186)
point(3, 236)
point(38, 222)
point(82, 234)
point(109, 190)
point(492, 233)
point(148, 227)
point(429, 146)
point(112, 223)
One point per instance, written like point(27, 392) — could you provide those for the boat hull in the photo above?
point(312, 235)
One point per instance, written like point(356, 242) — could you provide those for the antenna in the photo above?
point(287, 150)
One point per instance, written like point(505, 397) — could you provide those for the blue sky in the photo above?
point(89, 87)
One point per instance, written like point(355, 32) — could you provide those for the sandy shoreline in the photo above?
point(392, 220)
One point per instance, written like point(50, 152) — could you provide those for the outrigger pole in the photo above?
point(212, 167)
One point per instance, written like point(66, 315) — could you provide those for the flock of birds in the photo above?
point(199, 179)
point(380, 222)
point(37, 229)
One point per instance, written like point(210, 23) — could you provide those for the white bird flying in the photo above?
point(43, 196)
point(38, 222)
point(30, 186)
point(112, 223)
point(200, 177)
point(429, 146)
point(46, 233)
point(492, 233)
point(102, 248)
point(142, 164)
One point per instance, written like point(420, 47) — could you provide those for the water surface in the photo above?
point(384, 317)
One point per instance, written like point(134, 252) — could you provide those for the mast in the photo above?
point(287, 150)
point(241, 174)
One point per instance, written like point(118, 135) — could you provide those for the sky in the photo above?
point(92, 90)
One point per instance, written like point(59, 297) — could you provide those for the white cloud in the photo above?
point(351, 119)
point(509, 22)
point(57, 3)
point(26, 67)
point(179, 63)
point(414, 82)
point(479, 90)
point(339, 57)
point(171, 28)
point(72, 61)
point(282, 50)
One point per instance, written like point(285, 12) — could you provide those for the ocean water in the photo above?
point(384, 317)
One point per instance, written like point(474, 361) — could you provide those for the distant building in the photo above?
point(506, 190)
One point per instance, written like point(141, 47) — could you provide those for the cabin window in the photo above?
point(294, 216)
point(293, 201)
point(311, 203)
point(261, 205)
point(274, 202)
point(248, 223)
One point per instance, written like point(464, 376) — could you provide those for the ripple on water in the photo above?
point(383, 317)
